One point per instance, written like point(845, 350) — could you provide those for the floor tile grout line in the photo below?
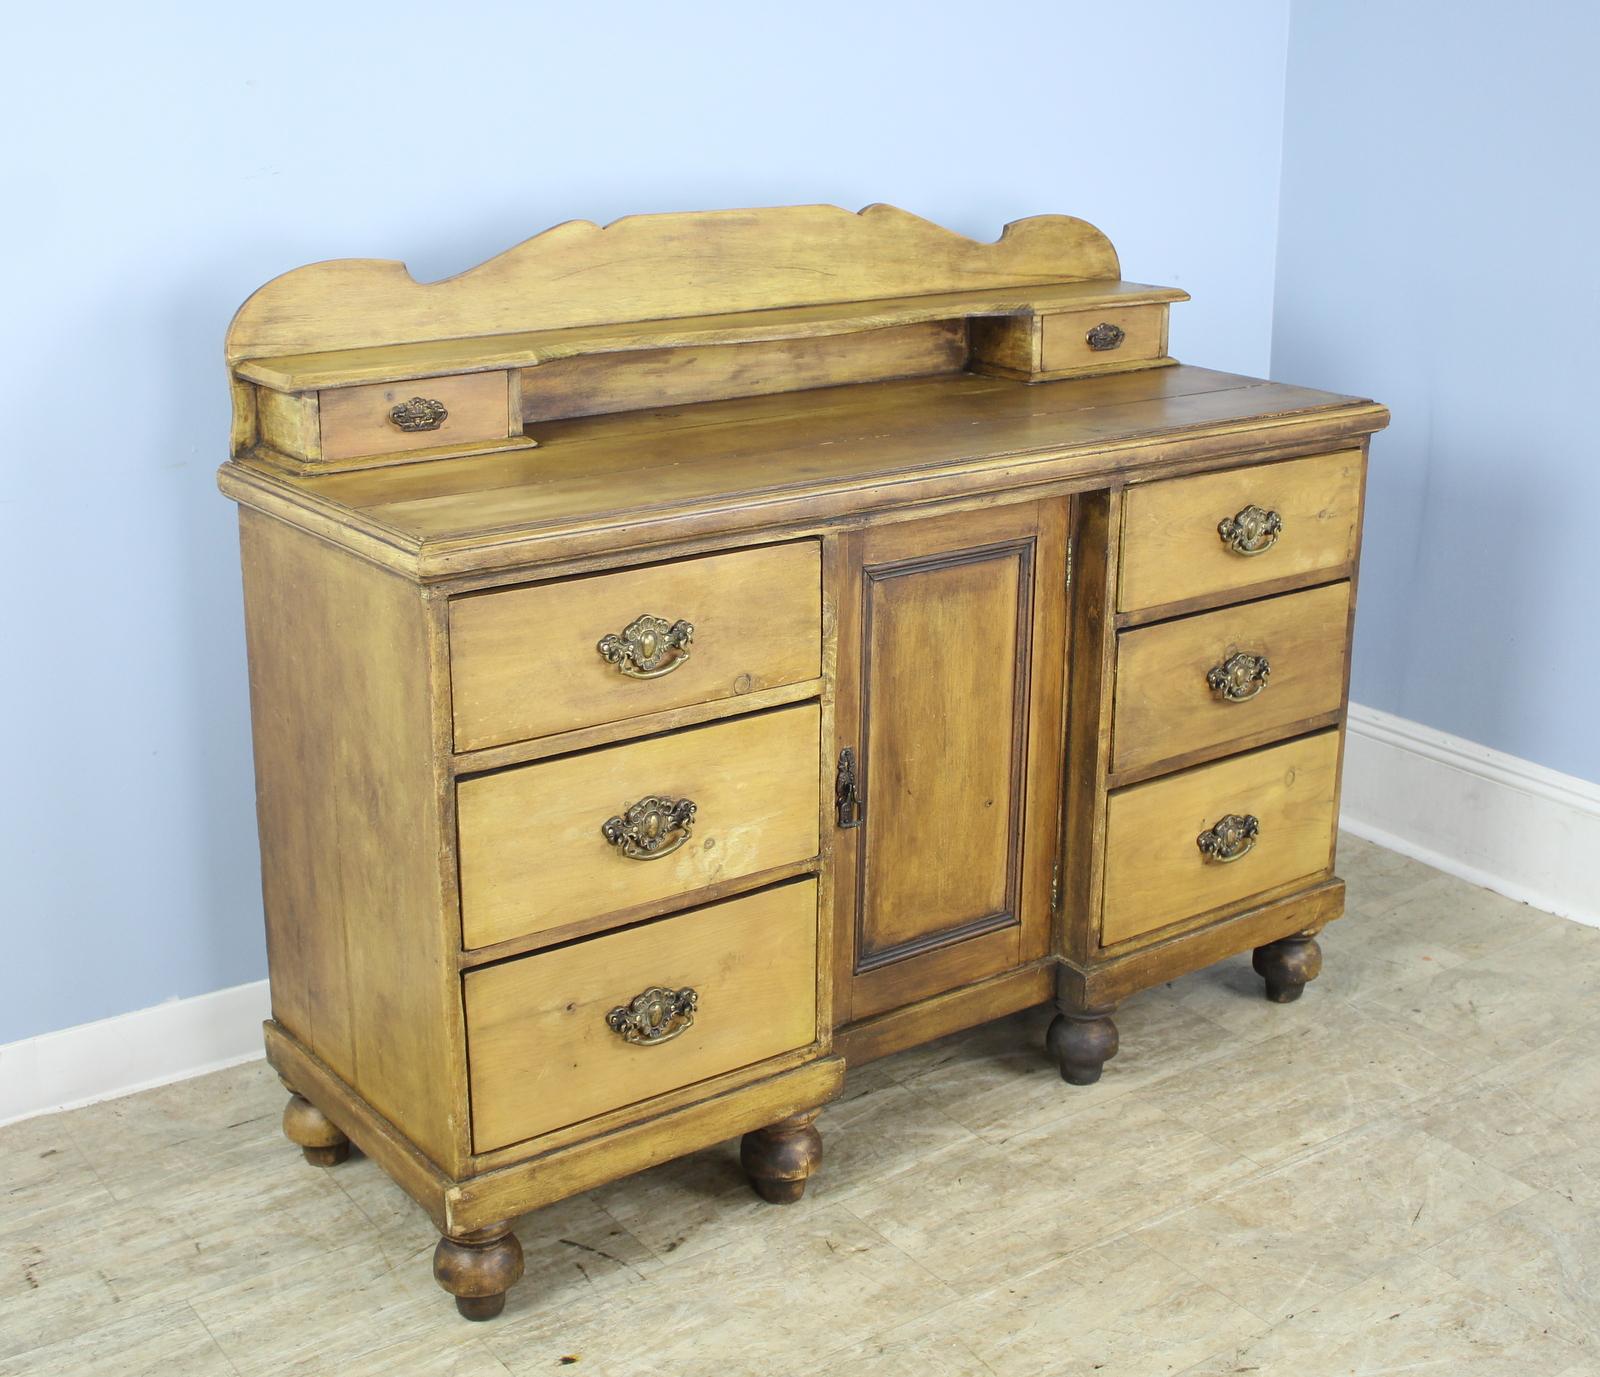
point(648, 1249)
point(903, 1322)
point(58, 1346)
point(357, 1206)
point(1206, 1366)
point(1421, 1255)
point(1530, 1315)
point(1271, 1321)
point(1394, 1260)
point(200, 1320)
point(1436, 1244)
point(1067, 1112)
point(1268, 1323)
point(1273, 1168)
point(928, 1103)
point(935, 1302)
point(1294, 1160)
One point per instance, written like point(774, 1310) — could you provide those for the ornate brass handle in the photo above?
point(652, 828)
point(1229, 838)
point(654, 1016)
point(847, 806)
point(1250, 532)
point(647, 647)
point(1240, 677)
point(420, 413)
point(1105, 336)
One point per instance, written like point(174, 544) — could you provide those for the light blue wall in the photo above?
point(165, 161)
point(1440, 251)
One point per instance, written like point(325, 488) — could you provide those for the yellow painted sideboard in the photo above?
point(692, 657)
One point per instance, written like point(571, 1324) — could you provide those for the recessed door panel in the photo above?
point(944, 700)
point(947, 705)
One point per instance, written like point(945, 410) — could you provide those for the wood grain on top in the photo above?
point(757, 458)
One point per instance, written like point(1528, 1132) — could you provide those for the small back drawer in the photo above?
point(533, 844)
point(1202, 681)
point(558, 1037)
point(419, 413)
point(1109, 338)
point(1156, 870)
point(554, 657)
point(1220, 532)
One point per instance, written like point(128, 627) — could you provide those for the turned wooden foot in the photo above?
point(1287, 966)
point(1082, 1041)
point(478, 1269)
point(780, 1157)
point(314, 1133)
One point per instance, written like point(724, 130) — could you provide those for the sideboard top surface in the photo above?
point(602, 482)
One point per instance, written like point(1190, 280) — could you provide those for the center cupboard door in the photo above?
point(951, 644)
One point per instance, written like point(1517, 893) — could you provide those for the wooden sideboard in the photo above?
point(694, 656)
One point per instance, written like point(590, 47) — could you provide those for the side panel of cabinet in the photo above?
point(951, 640)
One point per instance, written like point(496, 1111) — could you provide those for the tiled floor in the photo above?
point(1399, 1173)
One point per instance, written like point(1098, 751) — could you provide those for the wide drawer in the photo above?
point(561, 1036)
point(1200, 682)
point(1219, 532)
point(553, 657)
point(554, 843)
point(1271, 811)
point(420, 413)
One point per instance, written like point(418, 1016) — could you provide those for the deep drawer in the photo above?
point(561, 1036)
point(554, 657)
point(1217, 533)
point(1203, 681)
point(534, 849)
point(1157, 872)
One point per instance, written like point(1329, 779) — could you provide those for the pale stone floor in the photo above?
point(1399, 1173)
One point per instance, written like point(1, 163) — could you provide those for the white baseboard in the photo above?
point(1514, 827)
point(1522, 830)
point(117, 1056)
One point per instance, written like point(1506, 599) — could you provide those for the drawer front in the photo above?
point(1156, 871)
point(533, 844)
point(526, 662)
point(358, 421)
point(1172, 548)
point(1202, 681)
point(544, 1045)
point(1103, 339)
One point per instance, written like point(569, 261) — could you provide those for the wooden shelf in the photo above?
point(389, 363)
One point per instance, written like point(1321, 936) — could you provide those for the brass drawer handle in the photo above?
point(1240, 677)
point(655, 1016)
point(420, 413)
point(1105, 336)
point(647, 647)
point(1250, 532)
point(652, 828)
point(1229, 838)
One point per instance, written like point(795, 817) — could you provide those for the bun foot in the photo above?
point(480, 1307)
point(780, 1158)
point(478, 1269)
point(1082, 1043)
point(778, 1192)
point(1288, 966)
point(314, 1133)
